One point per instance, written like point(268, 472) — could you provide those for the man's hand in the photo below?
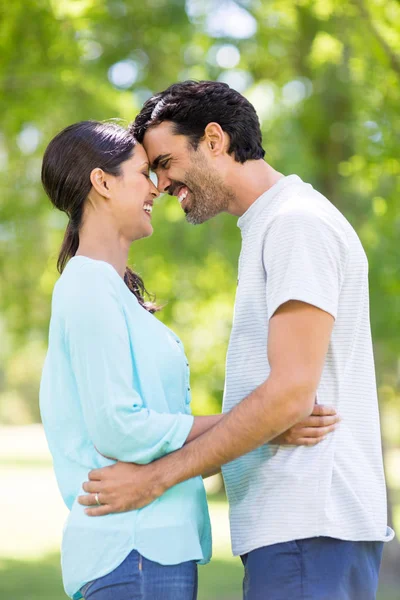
point(120, 487)
point(312, 430)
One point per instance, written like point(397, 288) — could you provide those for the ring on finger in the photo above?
point(96, 497)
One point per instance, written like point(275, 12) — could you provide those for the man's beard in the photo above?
point(208, 196)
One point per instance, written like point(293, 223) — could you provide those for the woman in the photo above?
point(116, 380)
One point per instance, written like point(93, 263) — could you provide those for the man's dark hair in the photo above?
point(192, 105)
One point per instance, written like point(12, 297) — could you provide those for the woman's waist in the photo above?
point(184, 502)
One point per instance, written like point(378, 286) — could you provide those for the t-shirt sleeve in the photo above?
point(119, 424)
point(305, 258)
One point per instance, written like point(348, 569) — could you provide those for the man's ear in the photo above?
point(217, 141)
point(99, 181)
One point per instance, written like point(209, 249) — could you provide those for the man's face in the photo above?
point(186, 173)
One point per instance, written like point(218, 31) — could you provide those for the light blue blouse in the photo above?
point(116, 379)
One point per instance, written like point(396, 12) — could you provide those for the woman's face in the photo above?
point(132, 194)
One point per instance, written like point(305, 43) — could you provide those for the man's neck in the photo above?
point(248, 182)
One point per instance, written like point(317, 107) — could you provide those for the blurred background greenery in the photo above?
point(324, 78)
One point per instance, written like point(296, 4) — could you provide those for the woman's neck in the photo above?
point(100, 244)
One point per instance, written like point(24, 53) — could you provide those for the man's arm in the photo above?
point(299, 335)
point(298, 342)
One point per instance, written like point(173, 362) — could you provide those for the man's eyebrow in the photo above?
point(156, 161)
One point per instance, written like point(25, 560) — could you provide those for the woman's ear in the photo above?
point(99, 181)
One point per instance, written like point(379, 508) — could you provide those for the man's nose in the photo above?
point(163, 183)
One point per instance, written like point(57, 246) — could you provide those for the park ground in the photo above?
point(31, 519)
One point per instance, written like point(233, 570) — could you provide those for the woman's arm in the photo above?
point(201, 425)
point(97, 343)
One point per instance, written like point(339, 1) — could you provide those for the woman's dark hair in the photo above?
point(192, 105)
point(68, 161)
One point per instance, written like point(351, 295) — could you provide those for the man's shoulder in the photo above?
point(306, 221)
point(303, 205)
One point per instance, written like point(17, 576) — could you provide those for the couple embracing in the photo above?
point(306, 493)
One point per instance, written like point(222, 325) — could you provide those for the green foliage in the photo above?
point(324, 77)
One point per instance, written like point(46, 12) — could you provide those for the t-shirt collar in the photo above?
point(266, 198)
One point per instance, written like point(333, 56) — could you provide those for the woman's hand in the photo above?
point(312, 430)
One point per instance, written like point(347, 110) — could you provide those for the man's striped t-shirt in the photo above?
point(297, 246)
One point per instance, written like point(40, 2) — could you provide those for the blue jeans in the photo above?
point(140, 579)
point(319, 568)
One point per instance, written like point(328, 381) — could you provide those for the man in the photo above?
point(308, 522)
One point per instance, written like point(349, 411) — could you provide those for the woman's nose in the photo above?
point(155, 192)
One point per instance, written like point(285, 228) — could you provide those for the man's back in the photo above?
point(298, 246)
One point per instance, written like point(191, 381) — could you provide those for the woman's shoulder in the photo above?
point(86, 280)
point(86, 265)
point(89, 271)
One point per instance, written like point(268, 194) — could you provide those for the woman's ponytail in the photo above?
point(69, 246)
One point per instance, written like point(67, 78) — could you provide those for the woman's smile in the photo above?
point(148, 209)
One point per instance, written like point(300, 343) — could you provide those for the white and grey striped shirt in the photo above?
point(297, 246)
